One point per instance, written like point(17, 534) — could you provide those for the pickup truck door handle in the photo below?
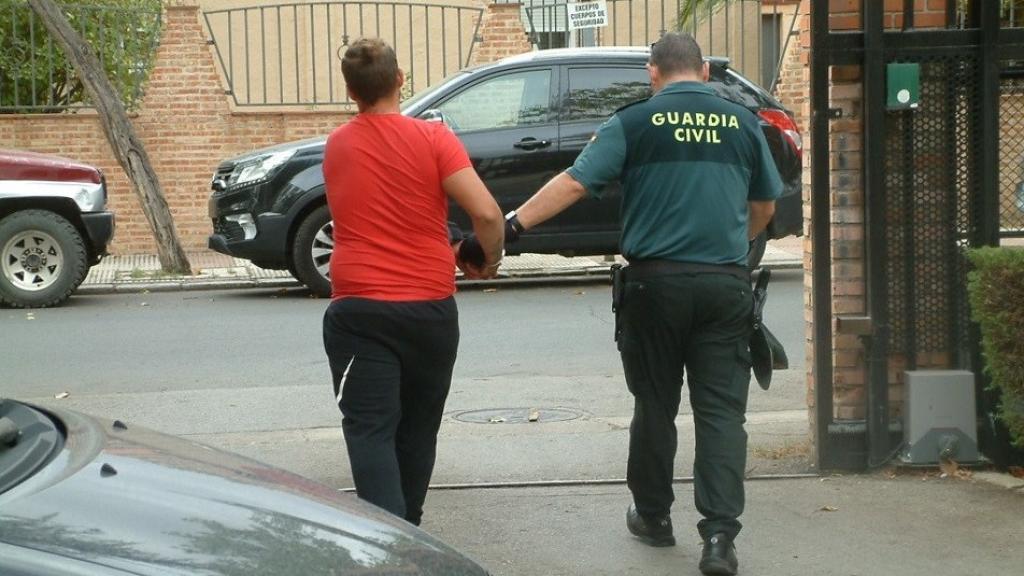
point(531, 144)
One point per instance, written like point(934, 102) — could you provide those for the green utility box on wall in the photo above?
point(903, 86)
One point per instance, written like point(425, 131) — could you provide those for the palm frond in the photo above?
point(693, 12)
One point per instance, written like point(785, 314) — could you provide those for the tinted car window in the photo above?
point(732, 86)
point(505, 101)
point(595, 93)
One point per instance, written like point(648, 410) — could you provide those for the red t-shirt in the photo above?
point(383, 174)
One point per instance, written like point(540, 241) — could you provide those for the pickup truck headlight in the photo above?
point(258, 169)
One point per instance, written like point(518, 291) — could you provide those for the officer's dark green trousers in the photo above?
point(699, 324)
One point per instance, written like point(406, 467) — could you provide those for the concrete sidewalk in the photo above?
point(213, 271)
point(909, 523)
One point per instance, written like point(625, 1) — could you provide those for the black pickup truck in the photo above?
point(522, 120)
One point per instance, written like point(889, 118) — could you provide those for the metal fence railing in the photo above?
point(753, 34)
point(1011, 149)
point(35, 74)
point(289, 54)
point(1011, 12)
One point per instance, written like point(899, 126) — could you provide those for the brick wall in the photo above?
point(845, 14)
point(186, 124)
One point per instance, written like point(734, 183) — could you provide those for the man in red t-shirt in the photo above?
point(391, 331)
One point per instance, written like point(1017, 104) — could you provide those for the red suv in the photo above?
point(54, 225)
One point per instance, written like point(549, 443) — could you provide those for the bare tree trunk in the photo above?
point(120, 133)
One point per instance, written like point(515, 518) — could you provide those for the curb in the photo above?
point(1002, 480)
point(514, 277)
point(186, 285)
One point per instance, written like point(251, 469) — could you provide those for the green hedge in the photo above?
point(996, 288)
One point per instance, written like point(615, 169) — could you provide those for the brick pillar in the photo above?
point(181, 116)
point(501, 34)
point(848, 265)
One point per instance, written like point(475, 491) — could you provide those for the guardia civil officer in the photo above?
point(698, 182)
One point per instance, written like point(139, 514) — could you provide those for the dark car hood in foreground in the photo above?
point(150, 504)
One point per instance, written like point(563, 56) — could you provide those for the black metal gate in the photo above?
point(933, 187)
point(286, 53)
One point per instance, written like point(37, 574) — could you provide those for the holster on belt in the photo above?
point(618, 289)
point(766, 352)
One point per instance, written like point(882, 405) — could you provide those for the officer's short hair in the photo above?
point(370, 69)
point(677, 52)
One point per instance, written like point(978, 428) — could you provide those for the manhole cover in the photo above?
point(517, 415)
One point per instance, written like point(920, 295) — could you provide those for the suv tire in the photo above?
point(311, 251)
point(42, 259)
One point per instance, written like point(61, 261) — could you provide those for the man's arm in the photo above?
point(761, 212)
point(469, 192)
point(600, 163)
point(558, 194)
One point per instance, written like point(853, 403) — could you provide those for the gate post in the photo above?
point(819, 332)
point(876, 344)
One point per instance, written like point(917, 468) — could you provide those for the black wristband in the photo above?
point(512, 227)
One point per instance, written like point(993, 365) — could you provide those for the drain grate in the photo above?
point(517, 415)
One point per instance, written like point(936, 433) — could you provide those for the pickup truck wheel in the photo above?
point(757, 248)
point(311, 251)
point(42, 259)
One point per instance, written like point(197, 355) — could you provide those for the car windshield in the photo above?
point(424, 94)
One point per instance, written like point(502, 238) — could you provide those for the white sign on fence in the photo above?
point(587, 14)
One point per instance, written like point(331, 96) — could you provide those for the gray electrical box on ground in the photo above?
point(939, 417)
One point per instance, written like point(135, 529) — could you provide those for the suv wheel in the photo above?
point(42, 259)
point(311, 251)
point(757, 248)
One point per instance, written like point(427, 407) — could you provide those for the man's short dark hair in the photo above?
point(370, 69)
point(677, 52)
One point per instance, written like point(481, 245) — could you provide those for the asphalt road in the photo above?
point(245, 370)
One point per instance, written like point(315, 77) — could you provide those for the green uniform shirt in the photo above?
point(689, 161)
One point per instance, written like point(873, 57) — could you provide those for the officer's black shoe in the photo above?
point(650, 531)
point(719, 556)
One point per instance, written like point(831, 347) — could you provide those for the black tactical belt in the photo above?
point(644, 269)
